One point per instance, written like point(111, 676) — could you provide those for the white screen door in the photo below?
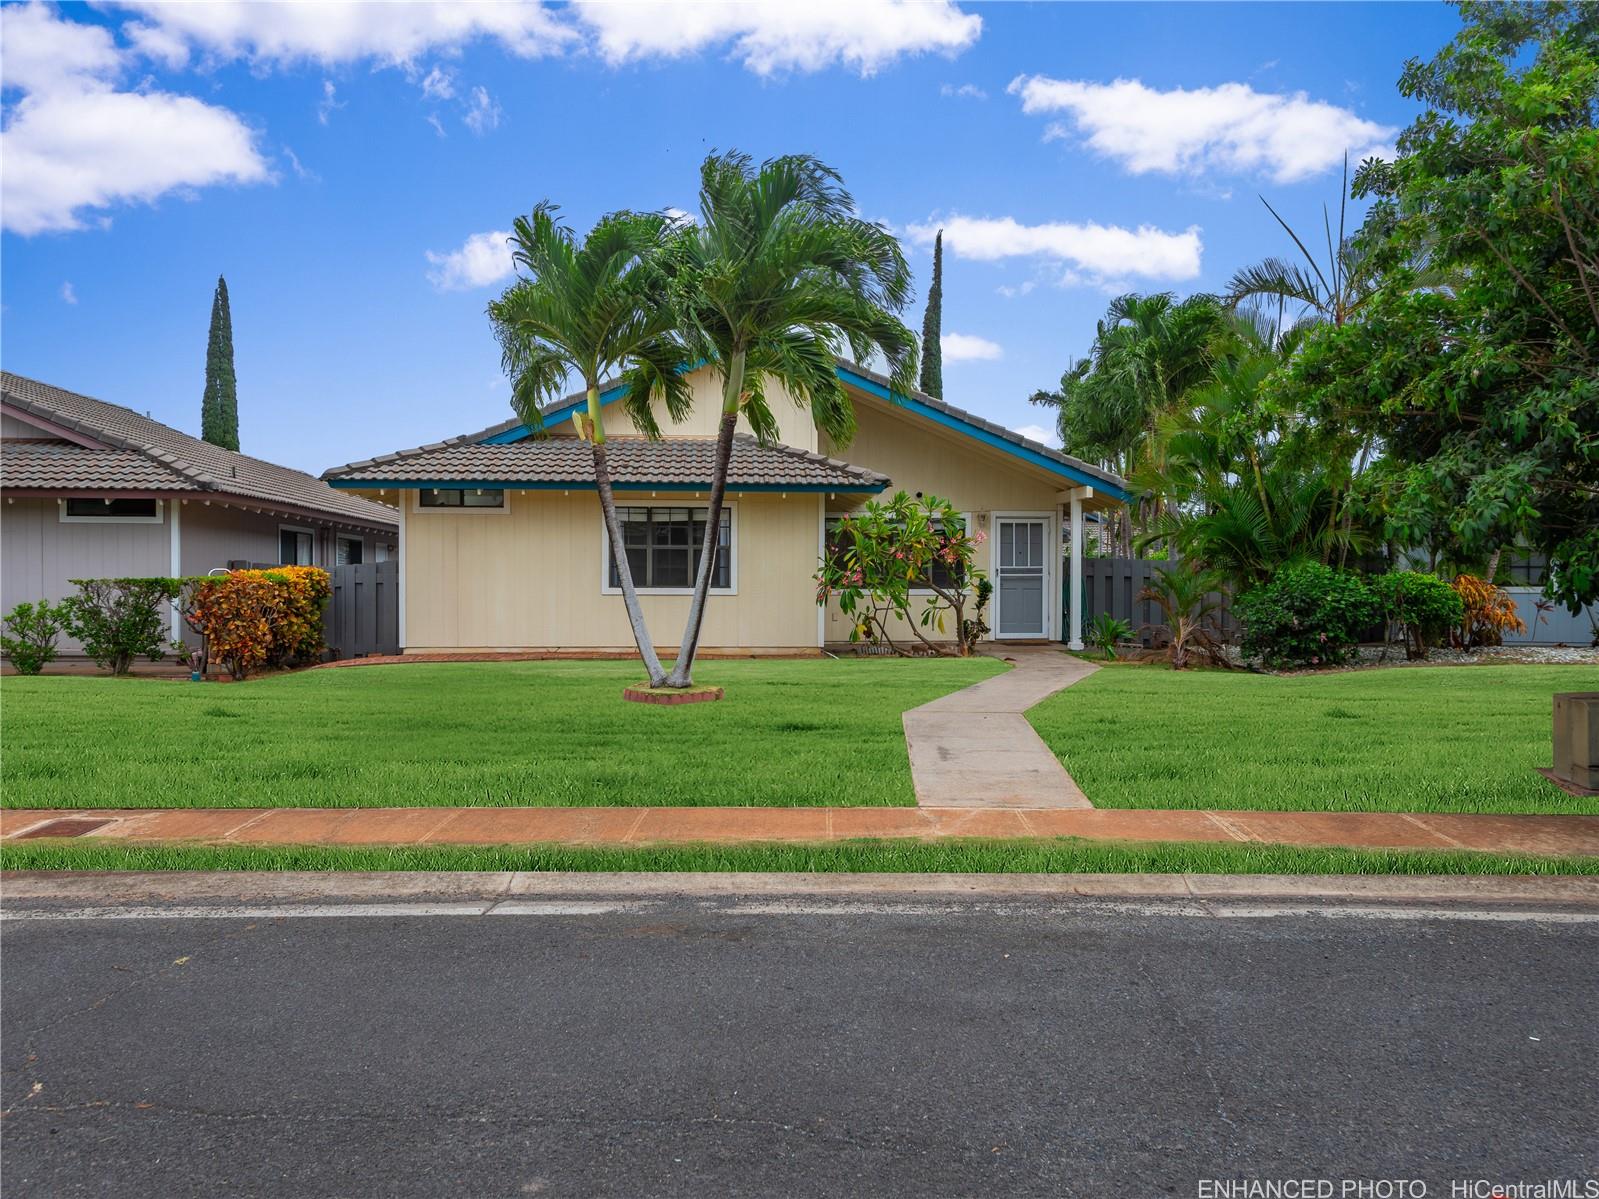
point(1020, 569)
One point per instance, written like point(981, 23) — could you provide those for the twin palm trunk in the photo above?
point(682, 674)
point(732, 388)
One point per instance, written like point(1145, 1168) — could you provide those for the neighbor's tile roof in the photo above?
point(64, 466)
point(184, 462)
point(683, 461)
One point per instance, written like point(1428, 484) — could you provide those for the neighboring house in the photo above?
point(95, 490)
point(503, 546)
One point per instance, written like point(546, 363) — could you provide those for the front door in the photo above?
point(1020, 567)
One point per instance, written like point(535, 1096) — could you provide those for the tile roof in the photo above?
point(634, 461)
point(846, 366)
point(60, 465)
point(186, 463)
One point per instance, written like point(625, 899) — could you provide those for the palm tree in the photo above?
point(1148, 353)
point(777, 278)
point(593, 309)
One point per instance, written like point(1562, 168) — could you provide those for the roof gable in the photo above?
point(947, 416)
point(188, 462)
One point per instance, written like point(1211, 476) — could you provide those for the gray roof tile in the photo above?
point(672, 461)
point(187, 463)
point(60, 465)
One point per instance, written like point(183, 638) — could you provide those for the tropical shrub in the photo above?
point(975, 627)
point(34, 629)
point(255, 618)
point(1488, 613)
point(1189, 596)
point(1106, 630)
point(1306, 615)
point(1421, 607)
point(118, 620)
point(905, 562)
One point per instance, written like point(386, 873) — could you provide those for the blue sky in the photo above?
point(343, 164)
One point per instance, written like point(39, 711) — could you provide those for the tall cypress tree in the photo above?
point(219, 408)
point(933, 326)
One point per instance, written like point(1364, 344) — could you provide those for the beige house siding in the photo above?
point(531, 577)
point(793, 422)
point(919, 457)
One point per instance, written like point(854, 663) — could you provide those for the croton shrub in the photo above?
point(255, 618)
point(1488, 613)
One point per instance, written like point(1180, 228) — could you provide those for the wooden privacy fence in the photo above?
point(363, 617)
point(1114, 584)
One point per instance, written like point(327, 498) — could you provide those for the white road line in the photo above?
point(803, 908)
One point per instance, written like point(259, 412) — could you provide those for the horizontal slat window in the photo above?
point(461, 497)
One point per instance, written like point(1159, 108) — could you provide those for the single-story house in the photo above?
point(96, 490)
point(503, 547)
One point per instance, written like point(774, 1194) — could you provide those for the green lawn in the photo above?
point(1447, 738)
point(1041, 855)
point(789, 733)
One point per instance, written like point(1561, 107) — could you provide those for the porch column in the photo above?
point(175, 559)
point(1075, 598)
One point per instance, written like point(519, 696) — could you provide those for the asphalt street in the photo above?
point(759, 1048)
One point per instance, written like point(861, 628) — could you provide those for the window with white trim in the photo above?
point(111, 511)
point(944, 575)
point(664, 546)
point(461, 497)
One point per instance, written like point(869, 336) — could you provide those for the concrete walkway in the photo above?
point(975, 749)
point(1551, 835)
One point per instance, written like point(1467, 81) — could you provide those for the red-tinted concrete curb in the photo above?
point(1564, 836)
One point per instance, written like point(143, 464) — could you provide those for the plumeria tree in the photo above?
point(907, 564)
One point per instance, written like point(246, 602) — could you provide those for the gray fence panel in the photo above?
point(363, 617)
point(1554, 627)
point(1114, 585)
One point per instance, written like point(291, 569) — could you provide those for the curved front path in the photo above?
point(975, 749)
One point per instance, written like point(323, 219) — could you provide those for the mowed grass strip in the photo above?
point(789, 733)
point(1409, 739)
point(1054, 856)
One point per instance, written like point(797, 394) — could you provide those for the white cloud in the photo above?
point(330, 102)
point(72, 142)
point(438, 84)
point(966, 91)
point(780, 35)
point(438, 126)
point(41, 54)
point(301, 171)
point(965, 347)
point(482, 260)
point(68, 293)
point(338, 31)
point(1010, 292)
point(482, 112)
point(1094, 251)
point(1049, 437)
point(1231, 128)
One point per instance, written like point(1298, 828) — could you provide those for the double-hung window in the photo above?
point(943, 575)
point(664, 546)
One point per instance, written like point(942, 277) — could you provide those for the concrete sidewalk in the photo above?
point(975, 749)
point(1548, 835)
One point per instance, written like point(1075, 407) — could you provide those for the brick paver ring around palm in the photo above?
point(975, 749)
